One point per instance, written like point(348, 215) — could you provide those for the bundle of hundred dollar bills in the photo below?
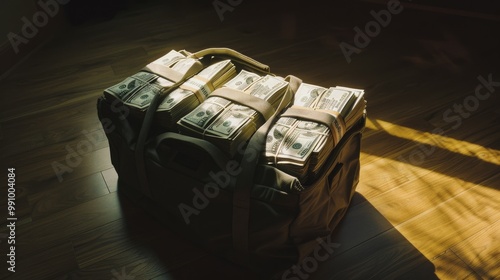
point(301, 147)
point(138, 90)
point(227, 124)
point(193, 92)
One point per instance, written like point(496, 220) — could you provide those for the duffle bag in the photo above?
point(235, 206)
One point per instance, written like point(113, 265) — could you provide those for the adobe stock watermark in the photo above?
point(372, 29)
point(310, 264)
point(30, 28)
point(75, 154)
point(455, 116)
point(221, 7)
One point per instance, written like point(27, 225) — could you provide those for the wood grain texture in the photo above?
point(45, 264)
point(450, 266)
point(480, 251)
point(66, 195)
point(413, 217)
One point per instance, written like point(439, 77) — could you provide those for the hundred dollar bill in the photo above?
point(123, 89)
point(205, 113)
point(357, 107)
point(210, 78)
point(276, 136)
point(355, 91)
point(337, 100)
point(173, 99)
point(242, 80)
point(143, 98)
point(150, 86)
point(215, 70)
point(231, 120)
point(184, 65)
point(307, 95)
point(266, 87)
point(317, 128)
point(130, 85)
point(145, 77)
point(164, 82)
point(298, 147)
point(170, 58)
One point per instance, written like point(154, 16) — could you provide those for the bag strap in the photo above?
point(233, 55)
point(331, 119)
point(158, 98)
point(195, 143)
point(244, 182)
point(143, 136)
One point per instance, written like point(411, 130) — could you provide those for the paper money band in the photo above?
point(200, 86)
point(263, 107)
point(331, 119)
point(290, 130)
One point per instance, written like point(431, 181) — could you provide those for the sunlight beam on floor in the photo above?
point(440, 141)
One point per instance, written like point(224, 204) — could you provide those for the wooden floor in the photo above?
point(428, 201)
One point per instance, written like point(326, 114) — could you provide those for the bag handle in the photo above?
point(195, 143)
point(233, 55)
point(244, 182)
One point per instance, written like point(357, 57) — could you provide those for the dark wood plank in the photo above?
point(64, 224)
point(45, 264)
point(136, 230)
point(66, 195)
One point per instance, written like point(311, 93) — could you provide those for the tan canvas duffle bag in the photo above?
point(235, 204)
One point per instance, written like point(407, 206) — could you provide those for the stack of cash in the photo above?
point(201, 116)
point(242, 80)
point(337, 100)
point(269, 88)
point(170, 59)
point(357, 109)
point(301, 147)
point(227, 124)
point(138, 90)
point(192, 92)
point(307, 95)
point(295, 146)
